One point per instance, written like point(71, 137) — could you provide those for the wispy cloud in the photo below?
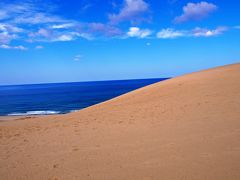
point(10, 28)
point(105, 29)
point(12, 10)
point(28, 13)
point(170, 33)
point(28, 22)
point(49, 35)
point(46, 33)
point(8, 32)
point(204, 32)
point(39, 47)
point(236, 27)
point(195, 11)
point(5, 46)
point(133, 11)
point(64, 37)
point(37, 18)
point(5, 37)
point(31, 22)
point(63, 26)
point(85, 7)
point(78, 57)
point(139, 33)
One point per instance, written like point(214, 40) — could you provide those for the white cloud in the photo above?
point(41, 35)
point(8, 32)
point(132, 11)
point(170, 34)
point(195, 11)
point(78, 57)
point(85, 35)
point(198, 32)
point(4, 46)
point(139, 33)
point(64, 37)
point(37, 18)
point(28, 13)
point(40, 23)
point(12, 10)
point(69, 36)
point(39, 47)
point(62, 26)
point(5, 37)
point(44, 32)
point(10, 28)
point(31, 16)
point(50, 35)
point(31, 22)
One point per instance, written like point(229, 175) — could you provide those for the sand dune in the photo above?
point(183, 128)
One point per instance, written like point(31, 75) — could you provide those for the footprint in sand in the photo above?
point(75, 149)
point(17, 134)
point(55, 166)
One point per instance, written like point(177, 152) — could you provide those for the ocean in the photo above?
point(61, 98)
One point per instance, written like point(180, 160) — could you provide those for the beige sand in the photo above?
point(184, 128)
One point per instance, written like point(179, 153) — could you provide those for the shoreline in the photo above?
point(63, 98)
point(15, 118)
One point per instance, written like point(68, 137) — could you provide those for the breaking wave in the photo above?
point(34, 113)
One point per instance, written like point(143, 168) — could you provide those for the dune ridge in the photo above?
point(187, 127)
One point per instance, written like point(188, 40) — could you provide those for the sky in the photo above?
point(48, 41)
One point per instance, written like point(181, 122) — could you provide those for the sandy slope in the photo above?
point(184, 128)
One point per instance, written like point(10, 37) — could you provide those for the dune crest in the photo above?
point(183, 128)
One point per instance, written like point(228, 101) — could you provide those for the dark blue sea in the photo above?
point(62, 98)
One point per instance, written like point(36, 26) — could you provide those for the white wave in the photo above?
point(74, 110)
point(34, 113)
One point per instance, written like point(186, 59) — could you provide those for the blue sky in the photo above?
point(86, 40)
